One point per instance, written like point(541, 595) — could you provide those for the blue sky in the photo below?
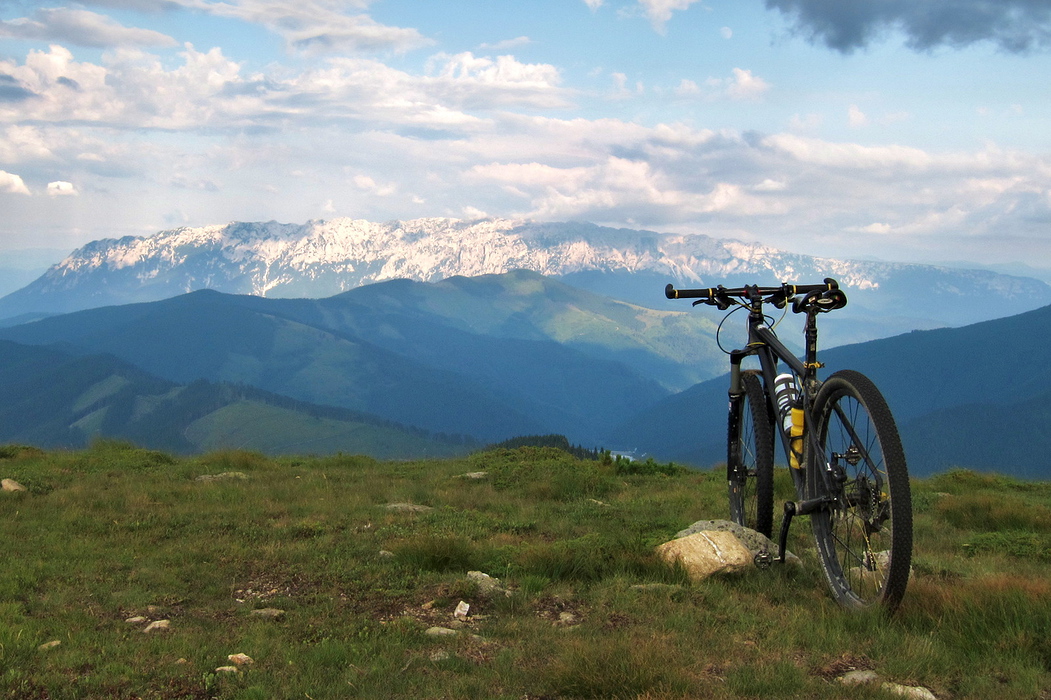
point(903, 130)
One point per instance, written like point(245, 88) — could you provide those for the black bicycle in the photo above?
point(839, 438)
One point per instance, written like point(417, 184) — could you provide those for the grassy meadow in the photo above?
point(116, 532)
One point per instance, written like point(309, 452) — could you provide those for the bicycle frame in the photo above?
point(765, 345)
point(817, 485)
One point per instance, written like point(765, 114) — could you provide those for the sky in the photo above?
point(908, 130)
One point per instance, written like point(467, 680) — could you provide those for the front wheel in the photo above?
point(864, 538)
point(750, 457)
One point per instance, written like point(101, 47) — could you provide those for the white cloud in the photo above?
point(726, 33)
point(317, 26)
point(80, 27)
point(770, 185)
point(594, 4)
point(12, 184)
point(61, 189)
point(687, 88)
point(856, 118)
point(507, 44)
point(807, 122)
point(620, 87)
point(133, 89)
point(659, 11)
point(367, 184)
point(745, 86)
point(741, 85)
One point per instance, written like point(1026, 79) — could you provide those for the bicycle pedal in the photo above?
point(762, 560)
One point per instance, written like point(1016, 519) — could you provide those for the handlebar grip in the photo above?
point(672, 293)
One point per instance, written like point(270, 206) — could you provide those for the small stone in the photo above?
point(11, 485)
point(225, 476)
point(462, 609)
point(181, 661)
point(157, 626)
point(474, 475)
point(487, 585)
point(384, 554)
point(269, 613)
point(136, 620)
point(907, 691)
point(49, 645)
point(439, 656)
point(440, 632)
point(227, 669)
point(408, 508)
point(858, 678)
point(241, 659)
point(566, 619)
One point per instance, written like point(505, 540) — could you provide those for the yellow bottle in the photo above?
point(795, 442)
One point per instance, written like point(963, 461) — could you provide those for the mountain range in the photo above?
point(475, 360)
point(491, 357)
point(324, 258)
point(401, 367)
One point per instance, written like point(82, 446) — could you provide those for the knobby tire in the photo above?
point(864, 541)
point(750, 457)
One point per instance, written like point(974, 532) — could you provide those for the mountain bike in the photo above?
point(838, 436)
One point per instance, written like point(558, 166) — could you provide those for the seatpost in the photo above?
point(810, 331)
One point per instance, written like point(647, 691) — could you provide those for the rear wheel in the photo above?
point(864, 539)
point(750, 457)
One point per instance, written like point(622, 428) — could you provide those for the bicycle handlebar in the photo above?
point(824, 297)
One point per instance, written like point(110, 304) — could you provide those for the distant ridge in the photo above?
point(322, 258)
point(52, 399)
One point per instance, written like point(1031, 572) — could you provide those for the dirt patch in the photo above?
point(846, 663)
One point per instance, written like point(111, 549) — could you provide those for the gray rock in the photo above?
point(908, 691)
point(269, 613)
point(225, 476)
point(157, 626)
point(408, 508)
point(871, 677)
point(487, 585)
point(441, 632)
point(858, 678)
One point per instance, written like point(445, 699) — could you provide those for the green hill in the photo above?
point(494, 357)
point(51, 399)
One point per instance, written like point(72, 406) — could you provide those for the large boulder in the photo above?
point(704, 554)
